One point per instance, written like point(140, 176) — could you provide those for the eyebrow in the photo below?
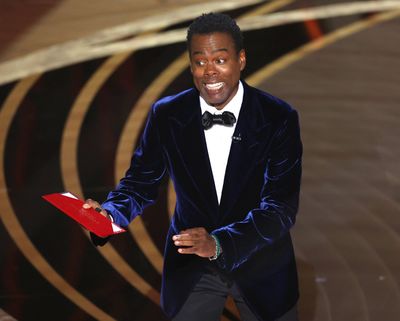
point(214, 51)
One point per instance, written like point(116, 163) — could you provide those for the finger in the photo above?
point(185, 237)
point(187, 250)
point(184, 243)
point(89, 203)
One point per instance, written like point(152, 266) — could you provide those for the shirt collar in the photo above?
point(233, 106)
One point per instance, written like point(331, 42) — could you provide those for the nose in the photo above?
point(210, 70)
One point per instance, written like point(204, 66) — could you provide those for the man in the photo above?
point(237, 179)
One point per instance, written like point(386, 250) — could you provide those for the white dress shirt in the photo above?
point(219, 138)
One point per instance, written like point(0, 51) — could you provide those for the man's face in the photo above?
point(216, 67)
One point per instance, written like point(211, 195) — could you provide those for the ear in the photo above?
point(242, 59)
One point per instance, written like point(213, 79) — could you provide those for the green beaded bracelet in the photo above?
point(217, 249)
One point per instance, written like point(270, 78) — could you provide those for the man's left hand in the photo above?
point(195, 241)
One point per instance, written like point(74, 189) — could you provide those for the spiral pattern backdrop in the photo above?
point(72, 125)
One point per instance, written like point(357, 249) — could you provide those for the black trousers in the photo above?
point(207, 301)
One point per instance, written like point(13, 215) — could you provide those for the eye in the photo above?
point(220, 61)
point(200, 63)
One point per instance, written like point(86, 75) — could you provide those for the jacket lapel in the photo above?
point(249, 131)
point(190, 140)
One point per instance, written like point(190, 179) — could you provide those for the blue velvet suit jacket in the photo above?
point(258, 205)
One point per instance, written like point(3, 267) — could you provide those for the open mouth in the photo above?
point(214, 86)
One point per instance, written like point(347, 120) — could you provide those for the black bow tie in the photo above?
point(226, 118)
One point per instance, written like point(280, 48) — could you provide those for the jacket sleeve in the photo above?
point(279, 200)
point(139, 187)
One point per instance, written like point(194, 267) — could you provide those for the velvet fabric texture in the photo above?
point(258, 205)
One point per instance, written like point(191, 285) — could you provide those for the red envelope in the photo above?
point(88, 218)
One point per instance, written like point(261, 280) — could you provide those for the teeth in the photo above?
point(215, 86)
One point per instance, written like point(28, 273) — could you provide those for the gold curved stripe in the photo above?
point(342, 267)
point(69, 142)
point(324, 306)
point(171, 199)
point(230, 305)
point(108, 41)
point(333, 241)
point(131, 133)
point(266, 8)
point(12, 224)
point(377, 222)
point(293, 56)
point(324, 295)
point(69, 148)
point(72, 182)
